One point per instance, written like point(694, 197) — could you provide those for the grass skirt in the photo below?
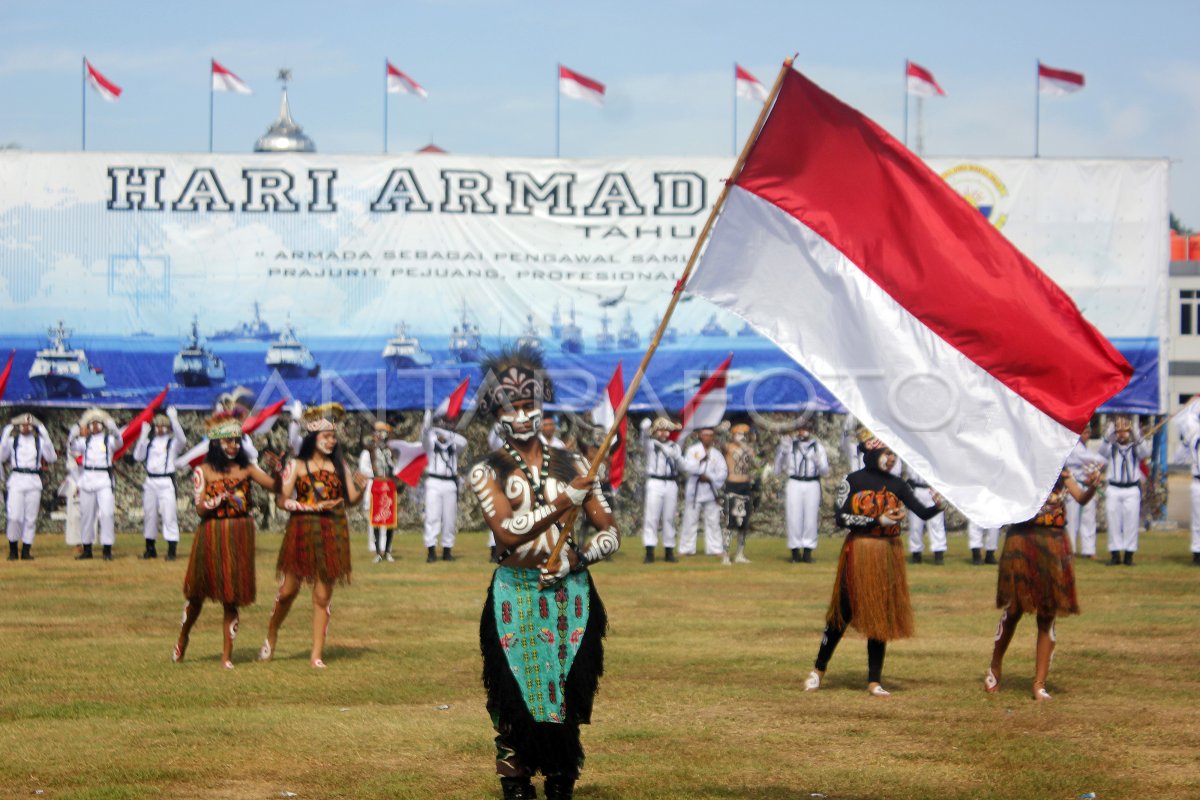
point(1037, 572)
point(872, 569)
point(316, 546)
point(552, 748)
point(221, 566)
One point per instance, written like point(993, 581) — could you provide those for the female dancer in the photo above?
point(1037, 576)
point(871, 588)
point(316, 545)
point(221, 566)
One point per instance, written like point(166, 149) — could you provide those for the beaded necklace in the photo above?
point(535, 486)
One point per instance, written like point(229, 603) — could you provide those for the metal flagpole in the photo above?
point(735, 87)
point(210, 104)
point(557, 108)
point(83, 116)
point(385, 104)
point(905, 87)
point(568, 519)
point(1037, 107)
point(920, 126)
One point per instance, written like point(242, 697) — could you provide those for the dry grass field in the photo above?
point(702, 697)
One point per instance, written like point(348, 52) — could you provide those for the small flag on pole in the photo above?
point(1058, 81)
point(103, 86)
point(7, 371)
point(706, 408)
point(604, 415)
point(749, 86)
point(225, 81)
point(580, 87)
point(451, 407)
point(400, 83)
point(921, 82)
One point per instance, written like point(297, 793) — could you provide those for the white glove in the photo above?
point(645, 424)
point(296, 409)
point(564, 567)
point(172, 414)
point(145, 430)
point(73, 432)
point(111, 424)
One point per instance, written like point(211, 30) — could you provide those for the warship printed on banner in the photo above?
point(256, 330)
point(290, 358)
point(63, 371)
point(604, 339)
point(572, 335)
point(627, 337)
point(195, 364)
point(530, 337)
point(466, 342)
point(404, 352)
point(713, 328)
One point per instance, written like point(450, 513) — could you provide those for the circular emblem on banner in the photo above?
point(980, 187)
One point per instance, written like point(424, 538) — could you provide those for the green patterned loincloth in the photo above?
point(540, 633)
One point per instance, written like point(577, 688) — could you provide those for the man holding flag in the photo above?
point(443, 448)
point(159, 444)
point(26, 449)
point(96, 440)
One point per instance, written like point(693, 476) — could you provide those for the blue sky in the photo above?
point(490, 71)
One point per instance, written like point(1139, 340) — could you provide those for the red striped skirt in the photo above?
point(316, 546)
point(221, 566)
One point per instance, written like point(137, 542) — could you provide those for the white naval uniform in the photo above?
point(367, 471)
point(158, 455)
point(663, 461)
point(24, 455)
point(805, 462)
point(1081, 520)
point(1123, 498)
point(982, 538)
point(95, 484)
point(700, 499)
point(1192, 447)
point(917, 527)
point(443, 449)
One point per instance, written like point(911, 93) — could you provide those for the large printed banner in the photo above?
point(379, 281)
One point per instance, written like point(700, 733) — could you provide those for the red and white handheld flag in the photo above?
point(604, 415)
point(921, 81)
point(225, 81)
point(451, 407)
point(580, 87)
point(928, 325)
point(706, 408)
point(400, 83)
point(7, 371)
point(103, 86)
point(131, 432)
point(261, 422)
point(410, 461)
point(749, 86)
point(1058, 81)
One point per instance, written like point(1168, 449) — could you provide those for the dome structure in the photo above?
point(284, 135)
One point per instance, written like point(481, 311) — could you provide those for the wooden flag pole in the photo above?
point(552, 563)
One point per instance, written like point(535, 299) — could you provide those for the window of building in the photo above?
point(1187, 312)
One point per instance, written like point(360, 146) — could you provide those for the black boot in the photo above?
point(939, 558)
point(151, 551)
point(807, 557)
point(1115, 561)
point(171, 546)
point(86, 554)
point(976, 555)
point(559, 787)
point(990, 558)
point(447, 555)
point(916, 557)
point(1129, 558)
point(1196, 559)
point(431, 555)
point(25, 554)
point(669, 555)
point(517, 789)
point(108, 552)
point(12, 551)
point(796, 559)
point(649, 559)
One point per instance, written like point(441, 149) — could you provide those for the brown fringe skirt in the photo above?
point(1037, 572)
point(872, 570)
point(221, 566)
point(316, 546)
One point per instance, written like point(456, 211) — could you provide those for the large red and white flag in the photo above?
point(7, 371)
point(103, 86)
point(749, 86)
point(580, 87)
point(1058, 81)
point(225, 81)
point(451, 407)
point(706, 408)
point(604, 415)
point(131, 432)
point(924, 321)
point(921, 81)
point(400, 83)
point(262, 422)
point(410, 461)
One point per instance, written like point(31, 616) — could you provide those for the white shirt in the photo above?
point(801, 458)
point(158, 453)
point(663, 459)
point(696, 462)
point(25, 454)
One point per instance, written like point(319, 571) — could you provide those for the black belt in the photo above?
point(1123, 485)
point(441, 477)
point(662, 477)
point(804, 477)
point(27, 471)
point(170, 475)
point(918, 485)
point(1196, 477)
point(99, 469)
